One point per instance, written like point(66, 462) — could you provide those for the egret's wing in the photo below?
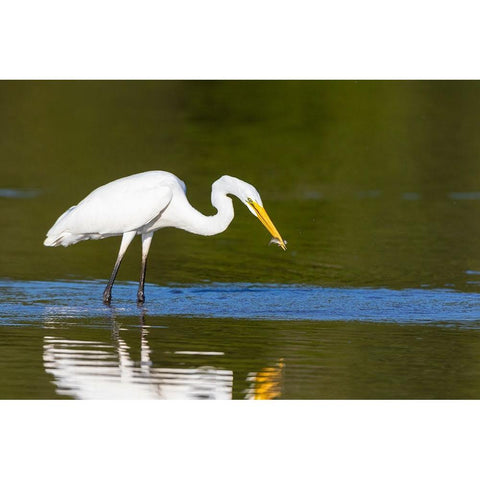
point(112, 211)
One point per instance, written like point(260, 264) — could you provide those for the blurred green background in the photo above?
point(373, 183)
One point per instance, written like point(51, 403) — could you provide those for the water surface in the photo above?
point(252, 341)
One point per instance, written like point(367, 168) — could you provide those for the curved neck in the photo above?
point(211, 225)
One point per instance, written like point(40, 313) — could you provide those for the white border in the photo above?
point(283, 439)
point(187, 39)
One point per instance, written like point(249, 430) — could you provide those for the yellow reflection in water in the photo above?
point(267, 383)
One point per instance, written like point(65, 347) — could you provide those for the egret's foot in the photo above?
point(107, 297)
point(140, 298)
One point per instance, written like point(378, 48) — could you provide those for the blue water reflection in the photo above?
point(26, 300)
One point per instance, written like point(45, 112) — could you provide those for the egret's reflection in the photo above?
point(88, 369)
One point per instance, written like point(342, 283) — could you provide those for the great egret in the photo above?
point(143, 203)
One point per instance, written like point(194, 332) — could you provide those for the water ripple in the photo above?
point(25, 300)
point(18, 193)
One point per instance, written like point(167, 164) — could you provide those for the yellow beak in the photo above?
point(268, 224)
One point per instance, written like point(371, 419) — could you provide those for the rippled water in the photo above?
point(375, 185)
point(26, 300)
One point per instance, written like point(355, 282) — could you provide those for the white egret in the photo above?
point(143, 203)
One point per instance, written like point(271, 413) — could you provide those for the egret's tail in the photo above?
point(51, 242)
point(65, 239)
point(59, 234)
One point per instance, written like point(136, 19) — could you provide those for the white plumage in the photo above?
point(143, 203)
point(127, 204)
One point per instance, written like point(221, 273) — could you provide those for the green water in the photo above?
point(375, 185)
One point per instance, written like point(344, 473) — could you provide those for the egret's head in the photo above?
point(249, 195)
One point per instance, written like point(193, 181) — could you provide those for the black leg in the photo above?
point(141, 285)
point(126, 239)
point(146, 241)
point(107, 294)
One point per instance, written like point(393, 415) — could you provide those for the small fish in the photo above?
point(281, 243)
